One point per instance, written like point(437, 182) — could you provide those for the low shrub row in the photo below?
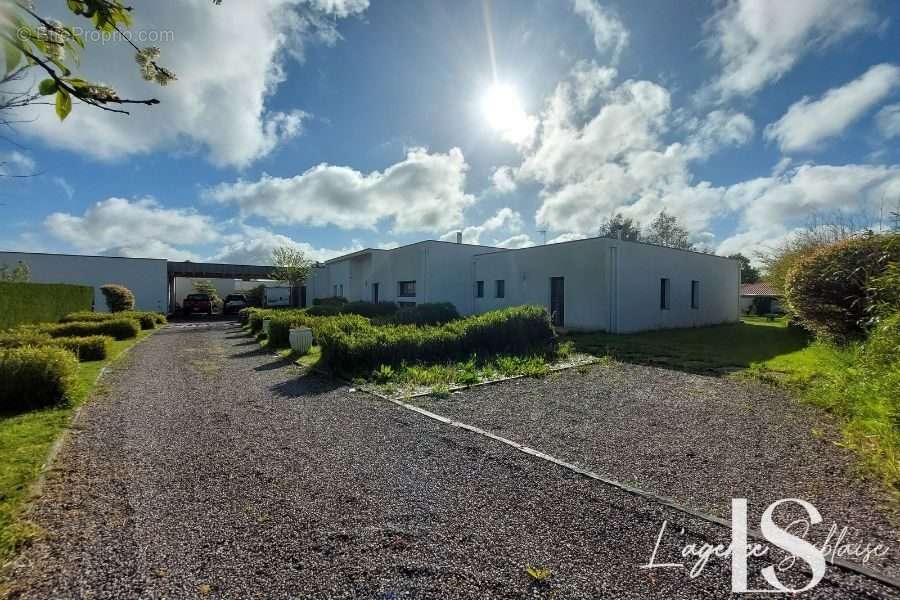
point(370, 309)
point(95, 347)
point(361, 348)
point(148, 320)
point(34, 377)
point(120, 329)
point(436, 313)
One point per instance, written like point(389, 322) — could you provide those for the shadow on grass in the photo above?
point(707, 350)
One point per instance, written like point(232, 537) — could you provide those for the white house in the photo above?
point(592, 284)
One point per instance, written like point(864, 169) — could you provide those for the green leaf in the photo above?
point(13, 56)
point(47, 87)
point(63, 104)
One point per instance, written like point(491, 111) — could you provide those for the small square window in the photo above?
point(664, 294)
point(501, 288)
point(479, 289)
point(406, 289)
point(695, 294)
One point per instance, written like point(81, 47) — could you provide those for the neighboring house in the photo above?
point(593, 284)
point(760, 299)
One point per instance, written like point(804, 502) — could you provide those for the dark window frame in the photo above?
point(695, 294)
point(403, 291)
point(479, 289)
point(499, 288)
point(665, 293)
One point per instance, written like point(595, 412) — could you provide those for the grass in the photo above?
point(308, 360)
point(25, 441)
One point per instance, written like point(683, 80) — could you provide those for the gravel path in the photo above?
point(700, 440)
point(210, 469)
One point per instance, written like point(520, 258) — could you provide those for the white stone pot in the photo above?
point(267, 327)
point(301, 339)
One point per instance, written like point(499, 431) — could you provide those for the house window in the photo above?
point(664, 294)
point(695, 294)
point(479, 289)
point(500, 288)
point(335, 290)
point(407, 289)
point(342, 291)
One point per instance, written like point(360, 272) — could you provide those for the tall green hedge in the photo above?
point(24, 303)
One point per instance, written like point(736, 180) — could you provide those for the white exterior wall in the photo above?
point(185, 286)
point(146, 277)
point(613, 285)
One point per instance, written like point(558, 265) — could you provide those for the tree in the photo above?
point(665, 231)
point(30, 40)
point(291, 266)
point(620, 227)
point(20, 273)
point(749, 273)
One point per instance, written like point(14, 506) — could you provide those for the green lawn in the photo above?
point(753, 342)
point(25, 440)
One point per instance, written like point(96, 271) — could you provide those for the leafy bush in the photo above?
point(24, 303)
point(357, 348)
point(120, 329)
point(148, 320)
point(331, 301)
point(93, 347)
point(35, 377)
point(284, 320)
point(369, 309)
point(830, 291)
point(24, 336)
point(118, 297)
point(324, 310)
point(436, 313)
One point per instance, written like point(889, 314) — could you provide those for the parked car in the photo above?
point(198, 303)
point(234, 303)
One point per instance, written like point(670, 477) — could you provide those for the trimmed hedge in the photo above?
point(36, 377)
point(118, 297)
point(280, 327)
point(361, 349)
point(25, 303)
point(120, 329)
point(369, 309)
point(435, 313)
point(88, 348)
point(330, 301)
point(148, 320)
point(831, 291)
point(324, 310)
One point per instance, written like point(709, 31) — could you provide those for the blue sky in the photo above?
point(339, 124)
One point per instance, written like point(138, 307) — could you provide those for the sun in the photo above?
point(503, 112)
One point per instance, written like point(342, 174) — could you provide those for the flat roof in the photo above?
point(371, 250)
point(79, 255)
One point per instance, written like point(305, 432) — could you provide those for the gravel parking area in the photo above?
point(699, 440)
point(209, 468)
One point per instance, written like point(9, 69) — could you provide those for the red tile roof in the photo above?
point(758, 289)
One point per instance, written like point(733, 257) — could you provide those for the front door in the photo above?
point(375, 293)
point(558, 301)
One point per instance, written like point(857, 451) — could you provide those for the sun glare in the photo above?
point(504, 113)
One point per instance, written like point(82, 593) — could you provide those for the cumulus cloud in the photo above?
point(15, 163)
point(254, 245)
point(758, 41)
point(517, 241)
point(134, 228)
point(505, 219)
point(808, 123)
point(719, 129)
point(423, 192)
point(567, 237)
point(610, 34)
point(229, 60)
point(889, 121)
point(504, 180)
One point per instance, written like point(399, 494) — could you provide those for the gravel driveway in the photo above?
point(699, 440)
point(209, 468)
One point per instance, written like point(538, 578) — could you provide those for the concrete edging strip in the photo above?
point(668, 502)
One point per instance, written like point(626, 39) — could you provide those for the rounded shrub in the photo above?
point(120, 329)
point(24, 336)
point(434, 313)
point(93, 347)
point(369, 309)
point(118, 297)
point(330, 301)
point(148, 320)
point(830, 291)
point(34, 377)
point(324, 310)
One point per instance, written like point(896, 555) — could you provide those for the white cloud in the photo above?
point(254, 245)
point(517, 241)
point(133, 228)
point(229, 61)
point(719, 129)
point(889, 121)
point(807, 123)
point(423, 192)
point(758, 41)
point(504, 180)
point(567, 237)
point(65, 186)
point(16, 163)
point(506, 218)
point(610, 34)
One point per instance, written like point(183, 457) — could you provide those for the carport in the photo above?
point(212, 271)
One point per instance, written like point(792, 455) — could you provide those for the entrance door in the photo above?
point(375, 293)
point(302, 296)
point(558, 301)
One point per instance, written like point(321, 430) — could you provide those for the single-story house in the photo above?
point(760, 299)
point(591, 284)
